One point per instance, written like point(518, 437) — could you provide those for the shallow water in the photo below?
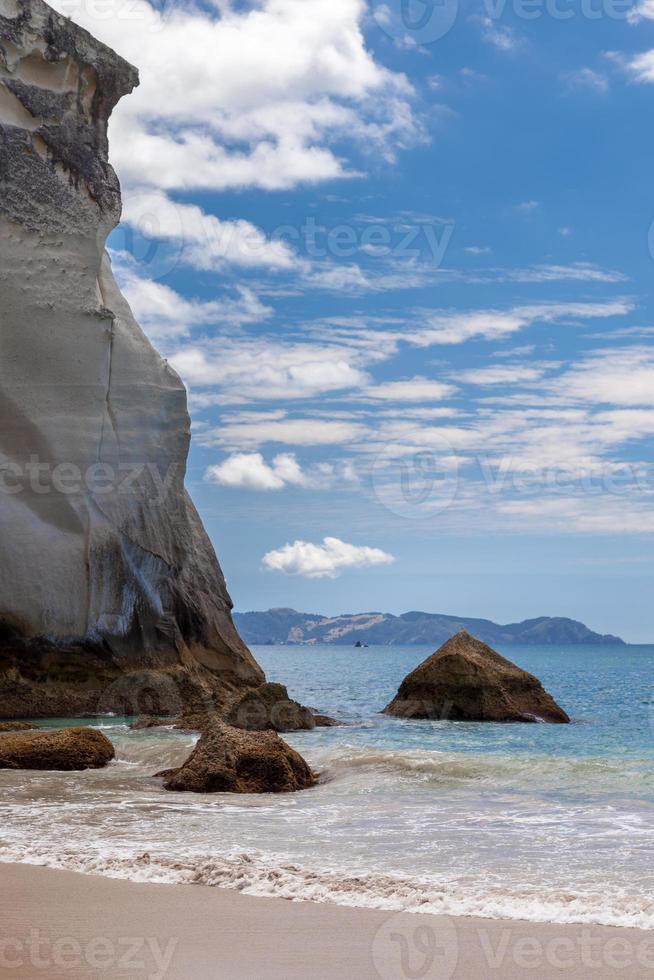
point(549, 823)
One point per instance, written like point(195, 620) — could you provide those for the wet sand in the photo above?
point(67, 926)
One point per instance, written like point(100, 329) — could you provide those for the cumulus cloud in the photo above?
point(273, 95)
point(326, 560)
point(253, 97)
point(250, 471)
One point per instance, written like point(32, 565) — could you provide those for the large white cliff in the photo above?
point(108, 581)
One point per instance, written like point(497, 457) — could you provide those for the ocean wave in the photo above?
point(252, 874)
point(491, 769)
point(162, 748)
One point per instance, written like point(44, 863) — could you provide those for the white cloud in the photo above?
point(502, 38)
point(617, 376)
point(326, 560)
point(642, 67)
point(416, 389)
point(432, 328)
point(502, 374)
point(527, 207)
point(250, 471)
point(291, 432)
point(617, 514)
point(575, 272)
point(249, 97)
point(247, 470)
point(456, 328)
point(478, 250)
point(588, 79)
point(542, 273)
point(256, 368)
point(163, 313)
point(641, 11)
point(204, 241)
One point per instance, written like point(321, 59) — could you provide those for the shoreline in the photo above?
point(66, 925)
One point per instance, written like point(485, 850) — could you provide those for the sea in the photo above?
point(548, 823)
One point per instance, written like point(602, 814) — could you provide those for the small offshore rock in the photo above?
point(66, 749)
point(466, 680)
point(230, 760)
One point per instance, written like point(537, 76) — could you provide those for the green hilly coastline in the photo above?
point(286, 626)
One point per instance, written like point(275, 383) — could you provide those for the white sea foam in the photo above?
point(256, 875)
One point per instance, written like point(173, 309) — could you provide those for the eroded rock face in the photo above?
point(229, 760)
point(68, 750)
point(466, 680)
point(106, 568)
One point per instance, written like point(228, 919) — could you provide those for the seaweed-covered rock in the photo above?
point(66, 749)
point(230, 760)
point(466, 680)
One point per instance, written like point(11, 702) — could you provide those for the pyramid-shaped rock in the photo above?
point(466, 680)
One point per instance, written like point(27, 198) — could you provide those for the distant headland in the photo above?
point(286, 626)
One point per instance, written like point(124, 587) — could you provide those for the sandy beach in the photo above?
point(59, 924)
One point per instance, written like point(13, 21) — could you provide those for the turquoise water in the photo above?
point(539, 822)
point(607, 691)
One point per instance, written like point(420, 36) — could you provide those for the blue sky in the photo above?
point(401, 256)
